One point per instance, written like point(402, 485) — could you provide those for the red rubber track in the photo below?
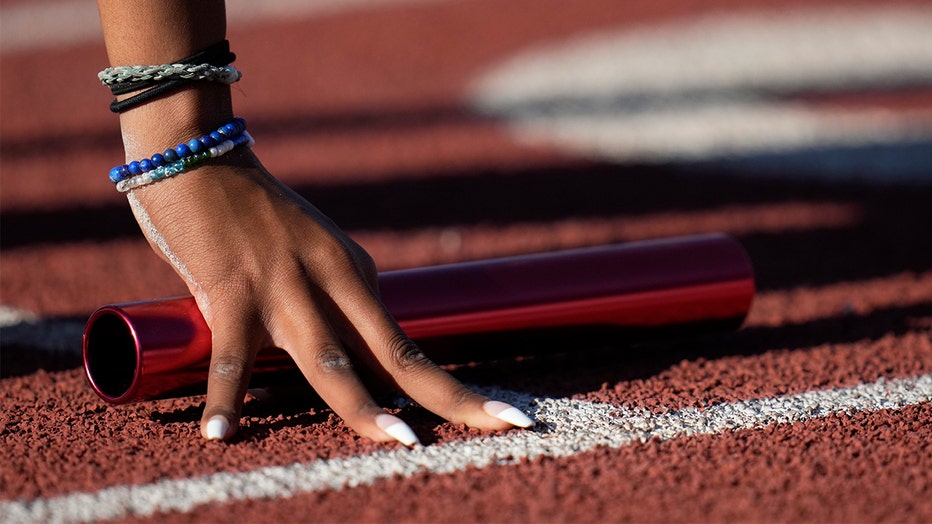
point(370, 122)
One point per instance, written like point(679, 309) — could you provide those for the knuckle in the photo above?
point(337, 262)
point(334, 254)
point(226, 288)
point(232, 278)
point(228, 369)
point(369, 270)
point(331, 359)
point(406, 356)
point(364, 260)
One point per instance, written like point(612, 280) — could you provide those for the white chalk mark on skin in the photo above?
point(154, 236)
point(334, 361)
point(226, 370)
point(130, 143)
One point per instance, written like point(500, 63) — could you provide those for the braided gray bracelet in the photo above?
point(142, 73)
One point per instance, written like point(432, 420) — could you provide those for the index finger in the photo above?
point(414, 373)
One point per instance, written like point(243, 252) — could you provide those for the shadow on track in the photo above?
point(892, 236)
point(602, 359)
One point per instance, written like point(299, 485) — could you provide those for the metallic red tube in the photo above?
point(161, 348)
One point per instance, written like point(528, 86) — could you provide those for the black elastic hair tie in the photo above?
point(217, 55)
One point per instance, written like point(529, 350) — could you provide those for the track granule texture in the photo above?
point(445, 131)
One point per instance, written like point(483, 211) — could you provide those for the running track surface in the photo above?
point(437, 131)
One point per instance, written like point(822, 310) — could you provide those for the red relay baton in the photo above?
point(161, 348)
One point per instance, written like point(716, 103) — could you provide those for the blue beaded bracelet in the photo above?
point(183, 150)
point(185, 163)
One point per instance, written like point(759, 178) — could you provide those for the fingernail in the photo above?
point(508, 413)
point(398, 430)
point(217, 427)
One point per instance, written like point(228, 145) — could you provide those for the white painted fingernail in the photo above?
point(508, 413)
point(397, 429)
point(217, 427)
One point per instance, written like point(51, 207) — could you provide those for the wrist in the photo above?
point(174, 118)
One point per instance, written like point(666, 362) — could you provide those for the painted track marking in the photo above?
point(727, 85)
point(566, 427)
point(22, 330)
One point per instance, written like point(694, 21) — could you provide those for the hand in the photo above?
point(269, 269)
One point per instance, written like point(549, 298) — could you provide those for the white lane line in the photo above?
point(566, 427)
point(44, 24)
point(770, 51)
point(24, 329)
point(723, 85)
point(11, 316)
